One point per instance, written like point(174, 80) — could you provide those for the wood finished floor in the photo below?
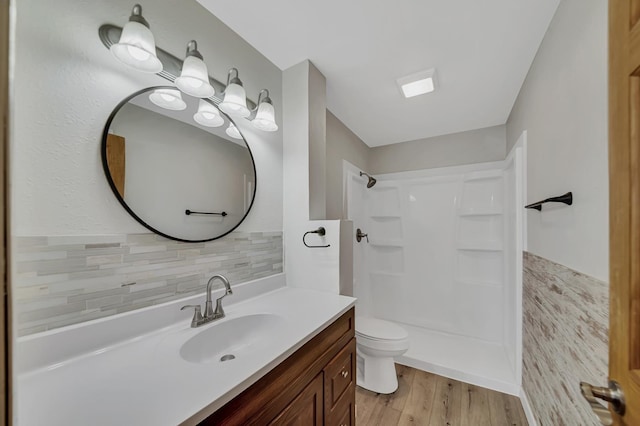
point(430, 400)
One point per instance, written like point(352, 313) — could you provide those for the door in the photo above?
point(116, 161)
point(624, 212)
point(5, 331)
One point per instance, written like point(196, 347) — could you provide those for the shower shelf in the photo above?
point(482, 175)
point(493, 284)
point(480, 247)
point(389, 274)
point(487, 212)
point(387, 243)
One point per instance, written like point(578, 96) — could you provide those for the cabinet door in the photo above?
point(339, 375)
point(306, 409)
point(344, 413)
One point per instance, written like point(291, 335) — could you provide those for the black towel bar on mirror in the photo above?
point(320, 231)
point(566, 199)
point(190, 212)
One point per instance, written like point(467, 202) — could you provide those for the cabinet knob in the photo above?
point(345, 373)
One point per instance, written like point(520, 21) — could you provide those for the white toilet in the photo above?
point(377, 343)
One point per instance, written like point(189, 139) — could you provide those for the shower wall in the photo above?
point(436, 243)
point(441, 259)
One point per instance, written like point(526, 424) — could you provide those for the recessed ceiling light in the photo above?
point(418, 84)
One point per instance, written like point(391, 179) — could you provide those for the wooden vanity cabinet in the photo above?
point(306, 409)
point(313, 386)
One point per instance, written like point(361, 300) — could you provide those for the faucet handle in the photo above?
point(219, 311)
point(197, 314)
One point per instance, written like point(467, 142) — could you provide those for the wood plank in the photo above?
point(427, 399)
point(376, 413)
point(366, 403)
point(405, 382)
point(505, 411)
point(447, 402)
point(367, 407)
point(420, 400)
point(515, 413)
point(389, 417)
point(475, 405)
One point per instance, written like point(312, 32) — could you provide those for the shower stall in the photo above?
point(444, 260)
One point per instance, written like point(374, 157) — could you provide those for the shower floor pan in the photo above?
point(461, 358)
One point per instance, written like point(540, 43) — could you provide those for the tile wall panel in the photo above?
point(565, 340)
point(63, 280)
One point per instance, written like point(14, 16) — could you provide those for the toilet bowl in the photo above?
point(377, 343)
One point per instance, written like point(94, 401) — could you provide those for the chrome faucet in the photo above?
point(210, 314)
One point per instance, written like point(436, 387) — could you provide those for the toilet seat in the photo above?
point(379, 330)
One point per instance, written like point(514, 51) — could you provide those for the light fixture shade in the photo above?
point(137, 47)
point(235, 101)
point(168, 99)
point(208, 115)
point(265, 118)
point(194, 78)
point(233, 131)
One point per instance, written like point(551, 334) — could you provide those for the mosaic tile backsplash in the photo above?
point(63, 280)
point(565, 340)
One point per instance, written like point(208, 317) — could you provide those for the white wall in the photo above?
point(318, 268)
point(514, 225)
point(317, 143)
point(474, 146)
point(563, 107)
point(66, 85)
point(342, 144)
point(173, 166)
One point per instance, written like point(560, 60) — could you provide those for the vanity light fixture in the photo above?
point(168, 99)
point(233, 131)
point(235, 97)
point(194, 77)
point(134, 45)
point(137, 47)
point(208, 115)
point(265, 118)
point(417, 84)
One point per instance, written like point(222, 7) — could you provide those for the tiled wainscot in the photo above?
point(63, 280)
point(565, 340)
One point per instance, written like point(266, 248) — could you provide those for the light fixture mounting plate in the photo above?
point(110, 35)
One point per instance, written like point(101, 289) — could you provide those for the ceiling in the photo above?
point(481, 50)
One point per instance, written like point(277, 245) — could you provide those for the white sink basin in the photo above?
point(231, 338)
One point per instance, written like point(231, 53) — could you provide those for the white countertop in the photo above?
point(144, 380)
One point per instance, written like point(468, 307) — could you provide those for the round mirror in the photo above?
point(178, 165)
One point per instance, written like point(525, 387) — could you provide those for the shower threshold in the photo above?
point(461, 358)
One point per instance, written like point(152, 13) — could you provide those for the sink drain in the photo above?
point(227, 357)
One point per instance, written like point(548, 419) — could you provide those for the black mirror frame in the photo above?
point(107, 173)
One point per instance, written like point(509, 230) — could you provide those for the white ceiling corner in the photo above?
point(482, 51)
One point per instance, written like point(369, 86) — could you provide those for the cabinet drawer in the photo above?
point(338, 374)
point(344, 414)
